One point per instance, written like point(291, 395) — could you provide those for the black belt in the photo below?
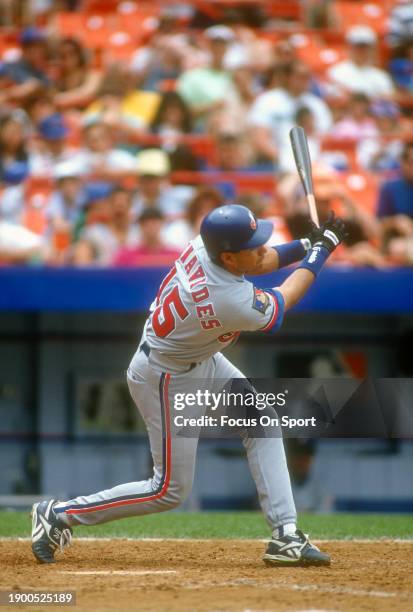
point(147, 349)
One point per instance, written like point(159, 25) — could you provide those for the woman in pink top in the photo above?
point(151, 250)
point(358, 123)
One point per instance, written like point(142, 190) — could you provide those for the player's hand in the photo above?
point(331, 233)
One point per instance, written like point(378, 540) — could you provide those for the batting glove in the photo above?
point(331, 233)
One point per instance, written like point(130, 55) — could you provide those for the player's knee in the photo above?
point(177, 492)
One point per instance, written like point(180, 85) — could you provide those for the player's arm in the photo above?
point(284, 255)
point(328, 237)
point(264, 310)
point(282, 298)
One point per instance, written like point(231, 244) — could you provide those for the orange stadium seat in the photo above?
point(339, 145)
point(100, 6)
point(119, 46)
point(312, 49)
point(282, 9)
point(373, 14)
point(69, 24)
point(363, 188)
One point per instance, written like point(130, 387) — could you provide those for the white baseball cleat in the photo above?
point(48, 532)
point(294, 549)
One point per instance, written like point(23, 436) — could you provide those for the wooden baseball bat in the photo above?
point(303, 162)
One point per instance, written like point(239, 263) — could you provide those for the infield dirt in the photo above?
point(213, 575)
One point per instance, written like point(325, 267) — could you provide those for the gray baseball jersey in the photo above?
point(201, 308)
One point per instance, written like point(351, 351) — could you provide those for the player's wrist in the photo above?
point(291, 252)
point(316, 258)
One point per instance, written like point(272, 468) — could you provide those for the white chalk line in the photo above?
point(314, 610)
point(336, 590)
point(116, 572)
point(241, 540)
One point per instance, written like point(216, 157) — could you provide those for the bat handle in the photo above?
point(313, 209)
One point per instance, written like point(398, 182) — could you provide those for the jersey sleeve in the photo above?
point(259, 310)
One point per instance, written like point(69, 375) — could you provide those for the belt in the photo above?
point(146, 349)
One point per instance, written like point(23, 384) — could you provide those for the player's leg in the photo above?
point(268, 466)
point(173, 458)
point(267, 463)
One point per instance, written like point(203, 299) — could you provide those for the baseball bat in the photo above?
point(303, 162)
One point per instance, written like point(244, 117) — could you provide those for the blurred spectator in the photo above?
point(381, 153)
point(336, 160)
point(172, 117)
point(275, 77)
point(108, 225)
point(210, 89)
point(40, 105)
point(248, 48)
point(357, 124)
point(400, 23)
point(19, 245)
point(358, 73)
point(401, 66)
point(154, 190)
point(255, 201)
point(120, 106)
point(363, 230)
point(51, 148)
point(319, 14)
point(66, 202)
point(13, 138)
point(178, 233)
point(171, 121)
point(152, 250)
point(232, 153)
point(273, 115)
point(163, 58)
point(12, 196)
point(284, 52)
point(29, 72)
point(77, 83)
point(395, 211)
point(99, 156)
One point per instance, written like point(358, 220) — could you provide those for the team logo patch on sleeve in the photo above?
point(261, 300)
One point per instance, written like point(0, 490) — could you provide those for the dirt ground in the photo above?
point(219, 575)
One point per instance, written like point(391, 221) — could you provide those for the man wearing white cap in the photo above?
point(66, 202)
point(210, 88)
point(358, 73)
point(155, 191)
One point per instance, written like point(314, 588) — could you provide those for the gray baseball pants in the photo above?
point(174, 457)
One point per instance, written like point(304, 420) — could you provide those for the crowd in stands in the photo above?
point(123, 123)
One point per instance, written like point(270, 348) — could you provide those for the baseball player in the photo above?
point(201, 306)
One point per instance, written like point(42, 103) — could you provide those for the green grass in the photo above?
point(228, 525)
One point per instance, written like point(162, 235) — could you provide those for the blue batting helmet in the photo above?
point(233, 228)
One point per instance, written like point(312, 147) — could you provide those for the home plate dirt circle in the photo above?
point(211, 575)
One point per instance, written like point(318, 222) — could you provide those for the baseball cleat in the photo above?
point(294, 549)
point(48, 532)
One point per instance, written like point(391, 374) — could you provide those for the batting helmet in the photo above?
point(233, 228)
